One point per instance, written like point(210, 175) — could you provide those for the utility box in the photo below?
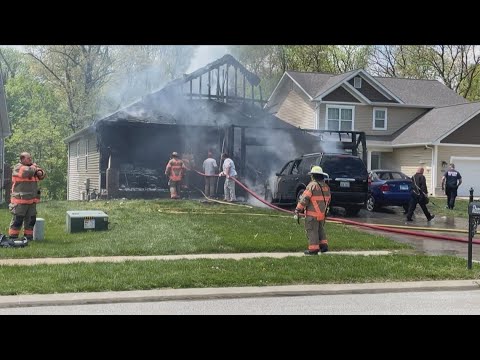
point(78, 221)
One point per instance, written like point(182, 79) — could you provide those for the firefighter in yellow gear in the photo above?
point(314, 202)
point(175, 171)
point(24, 197)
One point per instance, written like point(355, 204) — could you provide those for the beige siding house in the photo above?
point(408, 123)
point(83, 166)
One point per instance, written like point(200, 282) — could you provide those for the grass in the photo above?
point(460, 210)
point(158, 227)
point(137, 275)
point(161, 227)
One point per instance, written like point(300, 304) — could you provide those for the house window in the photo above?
point(379, 119)
point(78, 155)
point(339, 117)
point(86, 154)
point(357, 82)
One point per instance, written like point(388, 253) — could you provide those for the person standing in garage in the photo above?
point(451, 180)
point(230, 173)
point(175, 171)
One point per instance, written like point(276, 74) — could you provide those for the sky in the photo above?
point(205, 54)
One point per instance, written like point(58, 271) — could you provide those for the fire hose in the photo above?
point(355, 223)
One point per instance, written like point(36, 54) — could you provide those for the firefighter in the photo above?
point(314, 202)
point(175, 171)
point(189, 163)
point(24, 198)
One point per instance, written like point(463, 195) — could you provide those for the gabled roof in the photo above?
point(422, 92)
point(428, 93)
point(4, 121)
point(310, 82)
point(437, 123)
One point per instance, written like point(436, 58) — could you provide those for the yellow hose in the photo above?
point(222, 202)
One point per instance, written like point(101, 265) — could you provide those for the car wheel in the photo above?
point(371, 203)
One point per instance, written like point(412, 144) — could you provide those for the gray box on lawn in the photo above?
point(78, 221)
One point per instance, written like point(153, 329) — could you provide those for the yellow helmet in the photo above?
point(317, 170)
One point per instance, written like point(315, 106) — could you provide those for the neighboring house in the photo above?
point(408, 123)
point(4, 133)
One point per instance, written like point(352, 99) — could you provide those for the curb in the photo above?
point(12, 301)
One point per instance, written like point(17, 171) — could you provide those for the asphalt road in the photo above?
point(410, 303)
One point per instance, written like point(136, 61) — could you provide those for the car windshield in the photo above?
point(286, 168)
point(344, 165)
point(390, 175)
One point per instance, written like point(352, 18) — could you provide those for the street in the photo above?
point(397, 303)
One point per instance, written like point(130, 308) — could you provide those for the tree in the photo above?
point(78, 72)
point(457, 66)
point(349, 57)
point(39, 127)
point(12, 62)
point(139, 70)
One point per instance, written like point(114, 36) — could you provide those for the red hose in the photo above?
point(356, 223)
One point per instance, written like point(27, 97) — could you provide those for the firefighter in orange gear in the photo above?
point(189, 163)
point(314, 202)
point(24, 197)
point(175, 171)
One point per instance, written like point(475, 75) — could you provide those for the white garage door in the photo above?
point(470, 171)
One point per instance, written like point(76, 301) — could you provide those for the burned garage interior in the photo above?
point(217, 108)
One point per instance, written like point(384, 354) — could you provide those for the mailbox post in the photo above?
point(473, 221)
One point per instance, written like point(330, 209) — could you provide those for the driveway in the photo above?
point(394, 216)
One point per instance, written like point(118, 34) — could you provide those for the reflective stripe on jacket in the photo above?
point(175, 169)
point(24, 185)
point(315, 200)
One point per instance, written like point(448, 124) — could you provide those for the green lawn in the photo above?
point(138, 275)
point(159, 227)
point(460, 210)
point(189, 227)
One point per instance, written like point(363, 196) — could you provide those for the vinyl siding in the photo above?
point(468, 133)
point(297, 111)
point(407, 160)
point(445, 153)
point(340, 94)
point(77, 176)
point(370, 92)
point(396, 118)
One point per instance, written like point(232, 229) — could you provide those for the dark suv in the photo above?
point(348, 180)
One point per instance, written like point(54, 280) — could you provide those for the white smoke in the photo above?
point(206, 54)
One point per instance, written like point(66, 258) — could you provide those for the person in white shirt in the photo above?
point(230, 173)
point(210, 169)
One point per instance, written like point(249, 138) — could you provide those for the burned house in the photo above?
point(218, 108)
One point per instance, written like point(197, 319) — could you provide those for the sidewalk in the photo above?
point(235, 256)
point(217, 293)
point(232, 292)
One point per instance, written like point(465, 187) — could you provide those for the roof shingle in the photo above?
point(436, 123)
point(428, 93)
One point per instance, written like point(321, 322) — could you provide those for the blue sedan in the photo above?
point(388, 188)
